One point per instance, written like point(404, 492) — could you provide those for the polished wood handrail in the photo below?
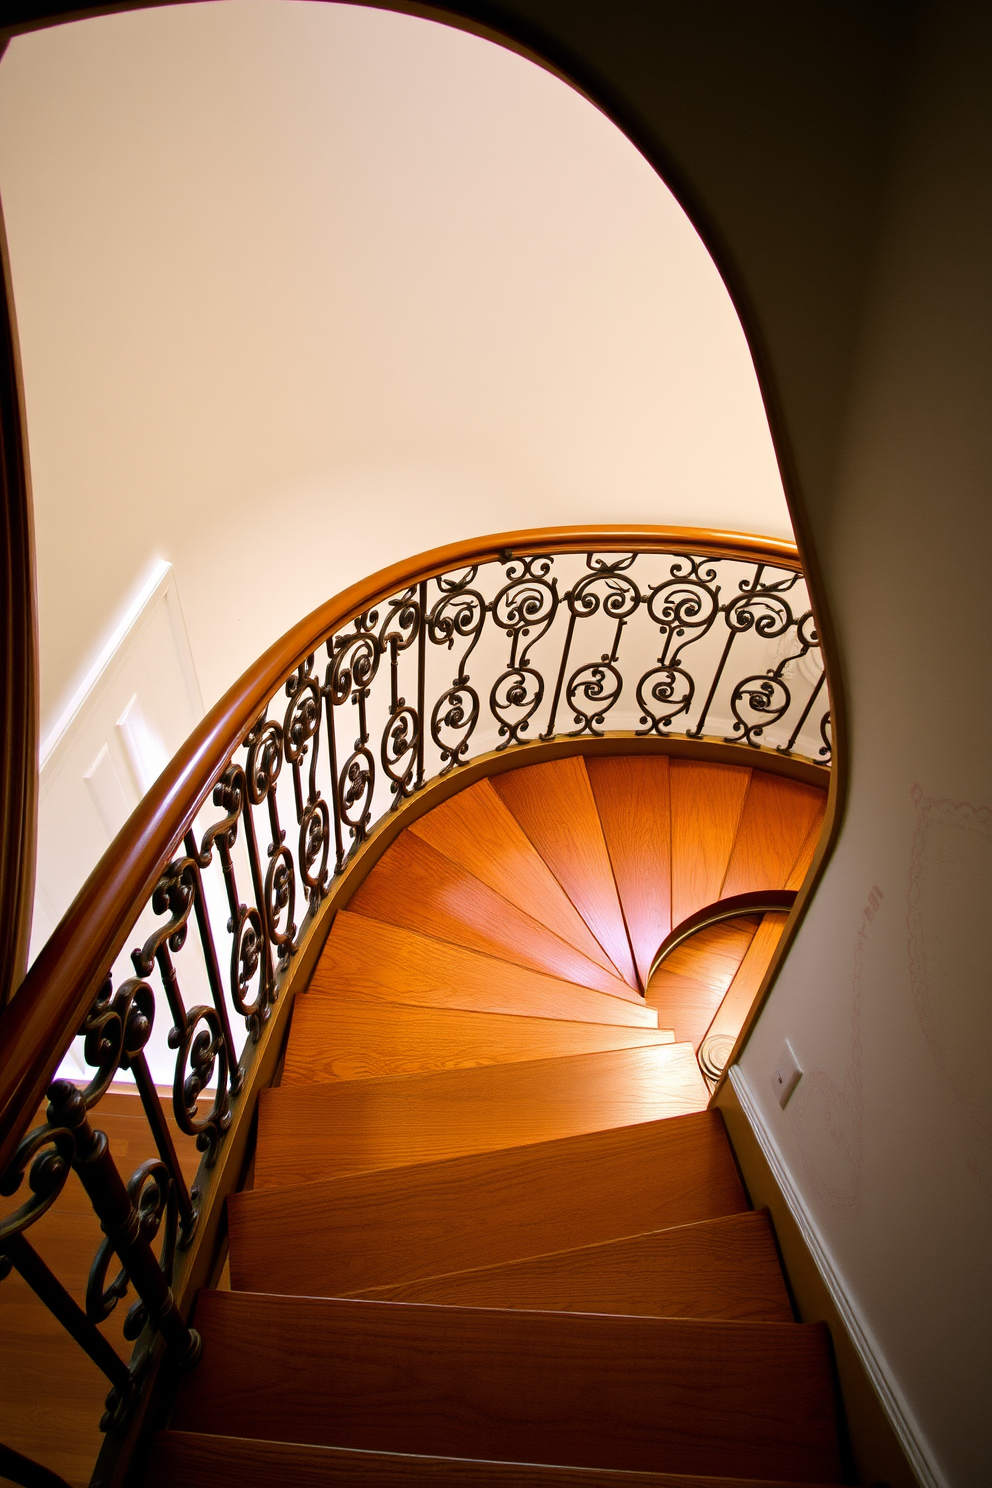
point(38, 1027)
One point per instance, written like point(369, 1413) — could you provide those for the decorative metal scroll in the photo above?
point(486, 658)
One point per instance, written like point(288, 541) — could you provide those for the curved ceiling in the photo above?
point(303, 289)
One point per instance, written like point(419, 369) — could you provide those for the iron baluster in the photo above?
point(400, 737)
point(694, 733)
point(121, 1222)
point(458, 614)
point(25, 1471)
point(47, 1287)
point(115, 1032)
point(155, 1116)
point(787, 748)
point(421, 682)
point(206, 933)
point(175, 893)
point(560, 680)
point(332, 756)
point(301, 736)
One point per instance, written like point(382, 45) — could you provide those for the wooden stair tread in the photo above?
point(687, 989)
point(401, 1224)
point(242, 1462)
point(802, 864)
point(632, 798)
point(568, 1388)
point(416, 887)
point(317, 1131)
point(476, 830)
point(706, 803)
point(335, 1039)
point(722, 1268)
point(730, 1015)
point(368, 958)
point(554, 804)
point(775, 822)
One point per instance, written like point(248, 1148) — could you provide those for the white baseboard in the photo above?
point(903, 1423)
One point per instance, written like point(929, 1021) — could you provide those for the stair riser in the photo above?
point(406, 1223)
point(725, 1268)
point(327, 1130)
point(632, 1393)
point(231, 1462)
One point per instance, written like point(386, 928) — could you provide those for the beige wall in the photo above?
point(887, 994)
point(305, 289)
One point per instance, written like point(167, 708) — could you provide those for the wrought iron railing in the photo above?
point(168, 967)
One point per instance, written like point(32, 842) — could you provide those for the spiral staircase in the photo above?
point(493, 1234)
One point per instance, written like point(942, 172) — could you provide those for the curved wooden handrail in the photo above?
point(38, 1027)
point(756, 901)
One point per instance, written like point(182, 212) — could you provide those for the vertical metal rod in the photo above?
point(155, 1116)
point(421, 682)
point(235, 1078)
point(25, 1259)
point(255, 867)
point(805, 714)
point(550, 731)
point(332, 759)
point(695, 733)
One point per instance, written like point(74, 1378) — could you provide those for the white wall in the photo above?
point(887, 994)
point(303, 289)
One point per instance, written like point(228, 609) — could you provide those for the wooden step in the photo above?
point(632, 798)
point(322, 1131)
point(690, 984)
point(707, 801)
point(754, 1399)
point(367, 958)
point(342, 1234)
point(554, 804)
point(777, 818)
point(478, 831)
point(239, 1462)
point(334, 1039)
point(416, 887)
point(723, 1268)
point(730, 1015)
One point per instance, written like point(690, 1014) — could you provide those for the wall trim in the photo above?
point(911, 1439)
point(158, 587)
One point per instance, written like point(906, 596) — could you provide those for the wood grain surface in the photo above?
point(805, 857)
point(723, 1268)
point(321, 1131)
point(632, 798)
point(554, 804)
point(238, 1462)
point(557, 1387)
point(729, 1017)
point(707, 801)
point(418, 888)
point(337, 1039)
point(476, 830)
point(367, 958)
point(401, 1224)
point(690, 984)
point(777, 818)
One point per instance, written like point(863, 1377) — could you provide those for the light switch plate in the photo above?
point(786, 1074)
